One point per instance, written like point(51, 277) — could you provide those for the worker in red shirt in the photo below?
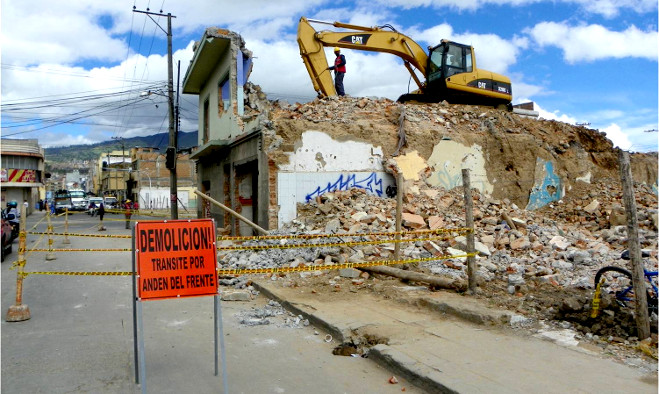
point(128, 206)
point(339, 68)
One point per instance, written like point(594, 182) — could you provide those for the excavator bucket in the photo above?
point(314, 59)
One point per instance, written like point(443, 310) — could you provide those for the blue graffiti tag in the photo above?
point(549, 190)
point(371, 183)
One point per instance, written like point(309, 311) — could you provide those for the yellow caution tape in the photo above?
point(324, 245)
point(81, 250)
point(98, 273)
point(461, 231)
point(596, 299)
point(274, 270)
point(81, 235)
point(249, 271)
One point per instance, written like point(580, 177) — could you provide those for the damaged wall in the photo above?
point(447, 160)
point(530, 162)
point(321, 164)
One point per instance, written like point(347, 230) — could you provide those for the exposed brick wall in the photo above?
point(273, 207)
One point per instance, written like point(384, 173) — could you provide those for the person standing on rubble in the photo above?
point(339, 68)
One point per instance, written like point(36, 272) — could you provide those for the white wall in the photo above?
point(321, 164)
point(158, 198)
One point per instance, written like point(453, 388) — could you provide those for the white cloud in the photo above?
point(595, 42)
point(606, 8)
point(617, 136)
point(555, 115)
point(34, 32)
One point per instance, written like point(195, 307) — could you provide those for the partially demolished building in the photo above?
point(262, 158)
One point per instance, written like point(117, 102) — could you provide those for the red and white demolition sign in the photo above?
point(176, 258)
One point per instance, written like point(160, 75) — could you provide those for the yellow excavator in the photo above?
point(449, 68)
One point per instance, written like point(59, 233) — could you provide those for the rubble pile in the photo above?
point(271, 314)
point(511, 144)
point(537, 246)
point(538, 263)
point(536, 259)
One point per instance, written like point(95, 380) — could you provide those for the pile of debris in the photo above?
point(544, 259)
point(271, 314)
point(511, 144)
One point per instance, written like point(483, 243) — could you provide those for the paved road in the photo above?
point(80, 335)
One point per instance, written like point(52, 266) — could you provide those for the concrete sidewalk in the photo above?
point(441, 353)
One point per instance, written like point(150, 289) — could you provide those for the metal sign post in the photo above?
point(218, 323)
point(173, 259)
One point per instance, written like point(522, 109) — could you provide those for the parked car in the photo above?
point(7, 238)
point(111, 203)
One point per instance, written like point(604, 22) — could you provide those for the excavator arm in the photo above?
point(373, 39)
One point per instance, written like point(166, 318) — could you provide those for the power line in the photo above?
point(59, 72)
point(70, 120)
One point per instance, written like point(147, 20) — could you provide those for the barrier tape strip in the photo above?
point(326, 245)
point(274, 270)
point(81, 250)
point(266, 247)
point(80, 235)
point(462, 231)
point(72, 273)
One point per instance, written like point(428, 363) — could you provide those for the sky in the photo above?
point(78, 72)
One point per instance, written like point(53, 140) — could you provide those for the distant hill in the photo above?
point(77, 153)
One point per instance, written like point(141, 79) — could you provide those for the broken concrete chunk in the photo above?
point(413, 221)
point(244, 295)
point(349, 273)
point(435, 222)
point(592, 207)
point(559, 243)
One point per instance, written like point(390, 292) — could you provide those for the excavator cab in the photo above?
point(452, 75)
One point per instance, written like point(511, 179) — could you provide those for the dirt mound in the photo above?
point(511, 143)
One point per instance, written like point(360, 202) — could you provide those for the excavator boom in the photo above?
point(449, 69)
point(373, 39)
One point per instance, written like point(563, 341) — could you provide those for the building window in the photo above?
point(206, 123)
point(223, 95)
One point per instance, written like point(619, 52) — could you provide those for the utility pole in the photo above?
point(171, 149)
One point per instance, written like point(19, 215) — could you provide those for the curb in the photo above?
point(337, 333)
point(482, 317)
point(413, 371)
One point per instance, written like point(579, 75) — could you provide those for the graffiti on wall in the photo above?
point(450, 157)
point(547, 186)
point(449, 178)
point(371, 183)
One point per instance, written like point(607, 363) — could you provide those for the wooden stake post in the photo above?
point(399, 213)
point(469, 219)
point(20, 311)
point(638, 276)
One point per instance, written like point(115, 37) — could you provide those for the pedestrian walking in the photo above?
point(101, 212)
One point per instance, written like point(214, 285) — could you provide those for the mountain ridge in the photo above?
point(84, 152)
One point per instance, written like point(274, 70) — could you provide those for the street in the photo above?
point(80, 335)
